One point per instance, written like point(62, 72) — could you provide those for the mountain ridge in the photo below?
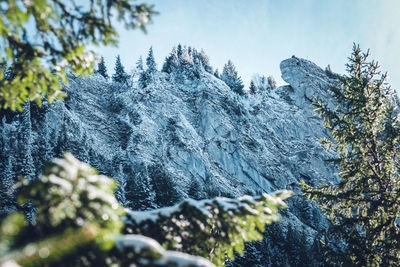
point(187, 134)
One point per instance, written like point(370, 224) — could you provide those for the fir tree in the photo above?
point(150, 62)
point(120, 75)
point(28, 168)
point(166, 65)
point(120, 192)
point(179, 51)
point(232, 79)
point(139, 64)
point(102, 69)
point(82, 149)
point(364, 206)
point(6, 184)
point(187, 57)
point(140, 192)
point(252, 88)
point(291, 245)
point(195, 190)
point(164, 185)
point(62, 140)
point(171, 62)
point(205, 61)
point(216, 74)
point(148, 74)
point(47, 147)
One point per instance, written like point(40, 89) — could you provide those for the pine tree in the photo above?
point(252, 88)
point(102, 69)
point(62, 140)
point(120, 75)
point(150, 62)
point(139, 64)
point(46, 135)
point(82, 150)
point(205, 61)
point(148, 75)
point(232, 79)
point(28, 168)
point(140, 192)
point(120, 192)
point(216, 74)
point(6, 184)
point(167, 193)
point(195, 189)
point(186, 57)
point(291, 246)
point(171, 62)
point(179, 51)
point(363, 207)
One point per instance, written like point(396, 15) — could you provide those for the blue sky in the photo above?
point(257, 35)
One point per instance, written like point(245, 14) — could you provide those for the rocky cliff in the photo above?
point(187, 135)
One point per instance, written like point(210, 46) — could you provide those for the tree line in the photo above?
point(190, 61)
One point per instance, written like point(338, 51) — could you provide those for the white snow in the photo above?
point(139, 244)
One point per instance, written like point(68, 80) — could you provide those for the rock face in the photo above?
point(187, 135)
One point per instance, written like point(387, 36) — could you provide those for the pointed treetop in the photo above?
point(232, 79)
point(363, 207)
point(187, 55)
point(171, 61)
point(120, 76)
point(150, 61)
point(179, 50)
point(139, 64)
point(102, 69)
point(252, 88)
point(216, 74)
point(205, 61)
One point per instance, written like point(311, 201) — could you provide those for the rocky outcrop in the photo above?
point(191, 136)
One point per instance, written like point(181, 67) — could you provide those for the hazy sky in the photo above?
point(257, 35)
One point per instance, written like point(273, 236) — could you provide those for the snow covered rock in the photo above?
point(187, 134)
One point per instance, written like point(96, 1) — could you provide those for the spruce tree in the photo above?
point(252, 88)
point(165, 186)
point(148, 74)
point(102, 69)
point(150, 62)
point(120, 75)
point(205, 61)
point(28, 168)
point(171, 62)
point(364, 206)
point(195, 189)
point(232, 79)
point(120, 192)
point(46, 135)
point(140, 192)
point(139, 64)
point(216, 74)
point(187, 57)
point(166, 65)
point(179, 50)
point(6, 184)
